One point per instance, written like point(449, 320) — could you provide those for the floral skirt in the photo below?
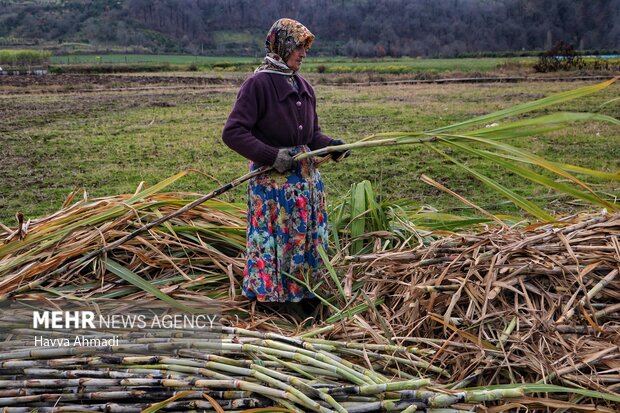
point(287, 223)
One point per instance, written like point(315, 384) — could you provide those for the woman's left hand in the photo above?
point(339, 155)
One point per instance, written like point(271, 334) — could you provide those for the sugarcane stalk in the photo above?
point(76, 373)
point(189, 366)
point(413, 408)
point(197, 406)
point(302, 385)
point(296, 341)
point(308, 351)
point(388, 348)
point(593, 291)
point(108, 407)
point(18, 398)
point(296, 395)
point(369, 143)
point(317, 331)
point(607, 310)
point(200, 371)
point(297, 369)
point(380, 388)
point(490, 356)
point(493, 394)
point(97, 395)
point(418, 364)
point(339, 370)
point(204, 405)
point(382, 406)
point(226, 360)
point(246, 372)
point(446, 400)
point(88, 382)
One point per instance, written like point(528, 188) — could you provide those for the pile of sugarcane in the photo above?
point(233, 370)
point(536, 305)
point(197, 254)
point(540, 304)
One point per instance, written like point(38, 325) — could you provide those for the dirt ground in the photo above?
point(24, 84)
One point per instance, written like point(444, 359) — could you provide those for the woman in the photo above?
point(274, 119)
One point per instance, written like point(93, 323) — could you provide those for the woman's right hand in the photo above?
point(284, 161)
point(339, 155)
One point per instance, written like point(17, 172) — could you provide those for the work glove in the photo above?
point(339, 155)
point(284, 160)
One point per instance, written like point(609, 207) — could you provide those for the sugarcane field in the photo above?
point(470, 259)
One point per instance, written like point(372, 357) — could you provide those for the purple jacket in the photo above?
point(269, 114)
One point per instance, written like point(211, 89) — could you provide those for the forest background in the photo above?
point(357, 28)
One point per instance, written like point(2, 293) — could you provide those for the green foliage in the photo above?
point(150, 62)
point(562, 56)
point(398, 27)
point(20, 58)
point(319, 64)
point(361, 219)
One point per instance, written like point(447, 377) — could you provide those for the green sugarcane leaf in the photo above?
point(515, 198)
point(352, 311)
point(451, 225)
point(401, 138)
point(157, 187)
point(331, 271)
point(550, 166)
point(591, 172)
point(529, 106)
point(551, 388)
point(560, 120)
point(532, 176)
point(572, 168)
point(379, 220)
point(134, 279)
point(518, 132)
point(358, 220)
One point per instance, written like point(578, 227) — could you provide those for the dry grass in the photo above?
point(505, 305)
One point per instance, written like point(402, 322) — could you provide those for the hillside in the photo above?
point(345, 27)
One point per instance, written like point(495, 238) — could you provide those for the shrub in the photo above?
point(16, 57)
point(562, 56)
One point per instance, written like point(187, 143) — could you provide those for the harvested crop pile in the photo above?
point(540, 304)
point(197, 254)
point(241, 369)
point(503, 306)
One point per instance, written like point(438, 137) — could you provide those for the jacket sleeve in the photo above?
point(237, 133)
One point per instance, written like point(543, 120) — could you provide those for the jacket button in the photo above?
point(298, 104)
point(301, 127)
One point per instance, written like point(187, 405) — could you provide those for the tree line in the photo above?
point(360, 28)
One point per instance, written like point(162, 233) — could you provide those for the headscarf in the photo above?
point(282, 39)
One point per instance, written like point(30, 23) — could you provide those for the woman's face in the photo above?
point(295, 59)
